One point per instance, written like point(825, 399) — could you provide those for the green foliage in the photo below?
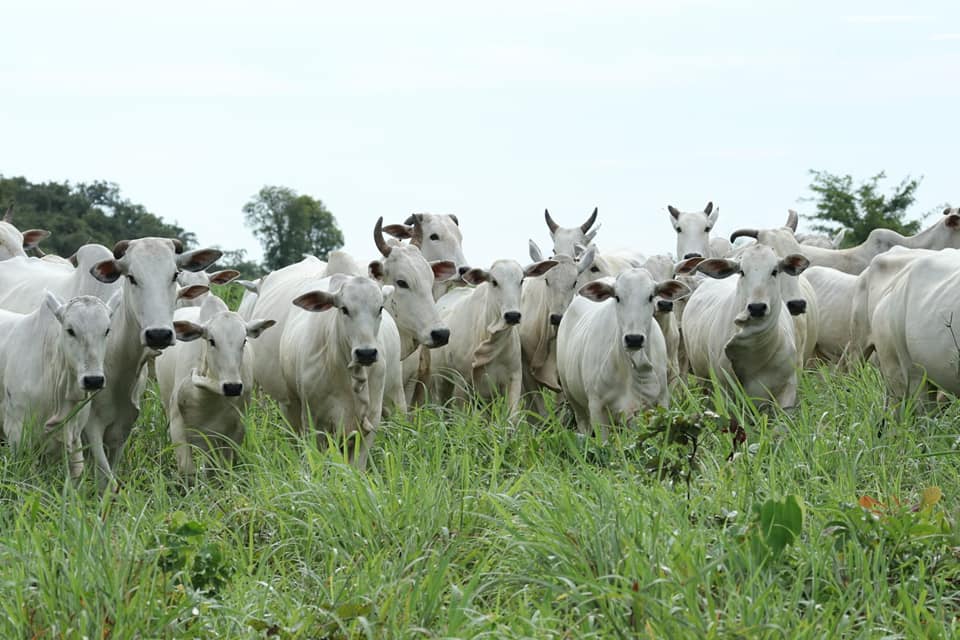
point(185, 552)
point(290, 225)
point(237, 259)
point(82, 213)
point(861, 208)
point(778, 524)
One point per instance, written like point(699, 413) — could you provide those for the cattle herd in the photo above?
point(340, 345)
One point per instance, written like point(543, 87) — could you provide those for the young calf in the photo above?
point(611, 356)
point(50, 359)
point(739, 328)
point(205, 383)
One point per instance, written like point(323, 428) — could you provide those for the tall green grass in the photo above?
point(468, 525)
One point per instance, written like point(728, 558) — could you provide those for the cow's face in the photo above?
point(359, 306)
point(503, 282)
point(437, 235)
point(634, 294)
point(759, 285)
point(411, 304)
point(150, 267)
point(693, 230)
point(85, 325)
point(567, 239)
point(224, 336)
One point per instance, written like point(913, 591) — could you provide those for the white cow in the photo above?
point(869, 288)
point(944, 234)
point(23, 280)
point(573, 241)
point(738, 328)
point(667, 313)
point(821, 240)
point(13, 243)
point(188, 279)
point(916, 327)
point(251, 289)
point(50, 359)
point(484, 347)
point(332, 359)
point(834, 291)
point(611, 356)
point(205, 383)
point(542, 304)
point(143, 325)
point(438, 237)
point(693, 233)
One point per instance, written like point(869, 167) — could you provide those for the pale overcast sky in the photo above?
point(491, 110)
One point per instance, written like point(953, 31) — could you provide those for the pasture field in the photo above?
point(833, 520)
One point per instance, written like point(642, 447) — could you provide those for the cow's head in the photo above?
point(693, 230)
point(150, 267)
point(438, 237)
point(565, 239)
point(561, 282)
point(85, 325)
point(411, 304)
point(503, 282)
point(634, 293)
point(359, 306)
point(224, 334)
point(760, 273)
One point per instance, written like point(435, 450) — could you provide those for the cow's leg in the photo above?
point(599, 418)
point(582, 416)
point(95, 440)
point(13, 419)
point(181, 445)
point(74, 451)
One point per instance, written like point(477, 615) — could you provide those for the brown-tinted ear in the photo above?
point(709, 208)
point(476, 276)
point(375, 269)
point(718, 268)
point(120, 249)
point(953, 220)
point(256, 327)
point(414, 219)
point(224, 276)
point(32, 237)
point(455, 219)
point(193, 291)
point(443, 270)
point(106, 271)
point(673, 211)
point(73, 259)
point(187, 331)
point(177, 245)
point(316, 301)
point(672, 290)
point(539, 268)
point(398, 231)
point(794, 264)
point(198, 259)
point(687, 267)
point(597, 291)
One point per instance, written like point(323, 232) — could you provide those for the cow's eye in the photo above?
point(495, 283)
point(434, 236)
point(546, 282)
point(107, 332)
point(708, 229)
point(132, 280)
point(212, 342)
point(594, 269)
point(651, 298)
point(380, 313)
point(774, 273)
point(175, 276)
point(740, 273)
point(617, 298)
point(345, 311)
point(403, 284)
point(72, 333)
point(678, 229)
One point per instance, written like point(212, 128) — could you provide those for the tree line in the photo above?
point(289, 225)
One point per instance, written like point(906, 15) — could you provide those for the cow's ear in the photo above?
point(224, 276)
point(672, 290)
point(443, 270)
point(375, 269)
point(455, 219)
point(187, 331)
point(253, 286)
point(687, 267)
point(794, 264)
point(539, 268)
point(106, 271)
point(712, 216)
point(399, 231)
point(674, 212)
point(476, 275)
point(55, 305)
point(316, 301)
point(256, 327)
point(192, 292)
point(535, 253)
point(585, 261)
point(198, 259)
point(115, 301)
point(597, 291)
point(593, 234)
point(719, 268)
point(32, 237)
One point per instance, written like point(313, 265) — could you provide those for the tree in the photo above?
point(861, 209)
point(82, 213)
point(289, 225)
